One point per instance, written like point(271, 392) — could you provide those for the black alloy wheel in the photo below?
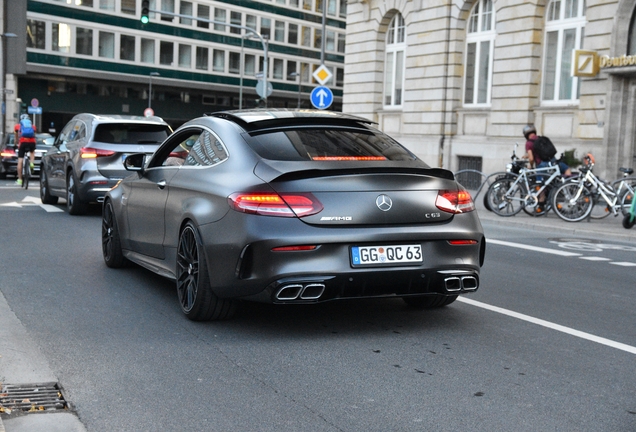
point(111, 243)
point(45, 195)
point(73, 203)
point(196, 298)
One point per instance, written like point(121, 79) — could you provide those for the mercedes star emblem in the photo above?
point(384, 203)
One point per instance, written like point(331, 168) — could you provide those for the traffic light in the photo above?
point(145, 10)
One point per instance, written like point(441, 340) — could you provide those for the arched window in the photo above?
point(394, 62)
point(480, 41)
point(564, 30)
point(631, 42)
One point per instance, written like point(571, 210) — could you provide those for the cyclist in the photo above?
point(24, 133)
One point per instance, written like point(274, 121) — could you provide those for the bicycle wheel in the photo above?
point(626, 201)
point(26, 173)
point(506, 198)
point(567, 207)
point(537, 204)
point(601, 209)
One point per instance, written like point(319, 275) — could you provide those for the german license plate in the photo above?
point(383, 255)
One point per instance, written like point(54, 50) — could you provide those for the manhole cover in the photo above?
point(23, 398)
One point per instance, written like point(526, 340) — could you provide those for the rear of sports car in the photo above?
point(344, 211)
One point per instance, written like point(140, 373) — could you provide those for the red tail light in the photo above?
point(8, 153)
point(92, 153)
point(462, 242)
point(271, 204)
point(455, 201)
point(294, 248)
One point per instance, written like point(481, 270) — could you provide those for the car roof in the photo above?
point(117, 118)
point(258, 119)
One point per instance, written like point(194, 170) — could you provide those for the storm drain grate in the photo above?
point(31, 398)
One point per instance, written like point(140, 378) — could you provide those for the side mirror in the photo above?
point(135, 162)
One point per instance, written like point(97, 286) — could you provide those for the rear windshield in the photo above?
point(328, 145)
point(131, 133)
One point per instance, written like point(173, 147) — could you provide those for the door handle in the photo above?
point(161, 184)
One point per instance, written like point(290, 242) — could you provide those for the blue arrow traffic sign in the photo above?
point(321, 97)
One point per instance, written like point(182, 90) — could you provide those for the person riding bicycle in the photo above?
point(24, 133)
point(530, 133)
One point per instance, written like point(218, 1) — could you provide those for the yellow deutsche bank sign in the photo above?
point(585, 63)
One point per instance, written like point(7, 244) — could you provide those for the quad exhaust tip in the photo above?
point(461, 283)
point(311, 291)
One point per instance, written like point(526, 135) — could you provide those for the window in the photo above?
point(266, 27)
point(108, 5)
point(185, 56)
point(279, 31)
point(206, 151)
point(306, 36)
point(202, 58)
point(318, 38)
point(235, 63)
point(129, 7)
point(106, 44)
point(250, 21)
point(341, 42)
point(394, 62)
point(330, 41)
point(250, 65)
point(218, 61)
point(166, 53)
point(35, 34)
point(185, 8)
point(564, 28)
point(83, 41)
point(292, 34)
point(307, 4)
point(339, 77)
point(167, 6)
point(480, 41)
point(631, 41)
point(61, 38)
point(292, 75)
point(235, 18)
point(219, 15)
point(127, 47)
point(277, 72)
point(203, 12)
point(147, 50)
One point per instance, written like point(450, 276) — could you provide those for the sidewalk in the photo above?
point(609, 227)
point(22, 362)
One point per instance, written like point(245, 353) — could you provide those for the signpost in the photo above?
point(321, 97)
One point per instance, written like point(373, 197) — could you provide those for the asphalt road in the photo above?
point(547, 343)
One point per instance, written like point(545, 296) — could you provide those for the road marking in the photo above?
point(593, 258)
point(533, 248)
point(32, 201)
point(624, 264)
point(550, 325)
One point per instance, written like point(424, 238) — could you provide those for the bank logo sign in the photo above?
point(585, 63)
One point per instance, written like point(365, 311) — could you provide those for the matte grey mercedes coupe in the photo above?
point(292, 206)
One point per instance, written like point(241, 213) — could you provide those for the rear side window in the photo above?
point(328, 145)
point(131, 133)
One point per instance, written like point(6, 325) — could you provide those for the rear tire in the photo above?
point(572, 211)
point(111, 242)
point(73, 203)
point(196, 298)
point(26, 174)
point(45, 195)
point(429, 301)
point(628, 221)
point(504, 201)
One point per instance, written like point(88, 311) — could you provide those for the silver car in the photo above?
point(87, 157)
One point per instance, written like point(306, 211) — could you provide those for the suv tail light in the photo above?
point(272, 204)
point(8, 153)
point(92, 153)
point(455, 201)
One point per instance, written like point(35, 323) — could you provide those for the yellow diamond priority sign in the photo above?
point(322, 74)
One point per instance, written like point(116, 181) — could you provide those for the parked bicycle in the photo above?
point(523, 189)
point(589, 196)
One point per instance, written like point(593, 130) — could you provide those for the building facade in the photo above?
point(96, 56)
point(456, 81)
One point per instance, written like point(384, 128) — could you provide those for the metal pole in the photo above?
point(3, 40)
point(241, 66)
point(150, 87)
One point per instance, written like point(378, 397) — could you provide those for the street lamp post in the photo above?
point(292, 75)
point(152, 74)
point(3, 38)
